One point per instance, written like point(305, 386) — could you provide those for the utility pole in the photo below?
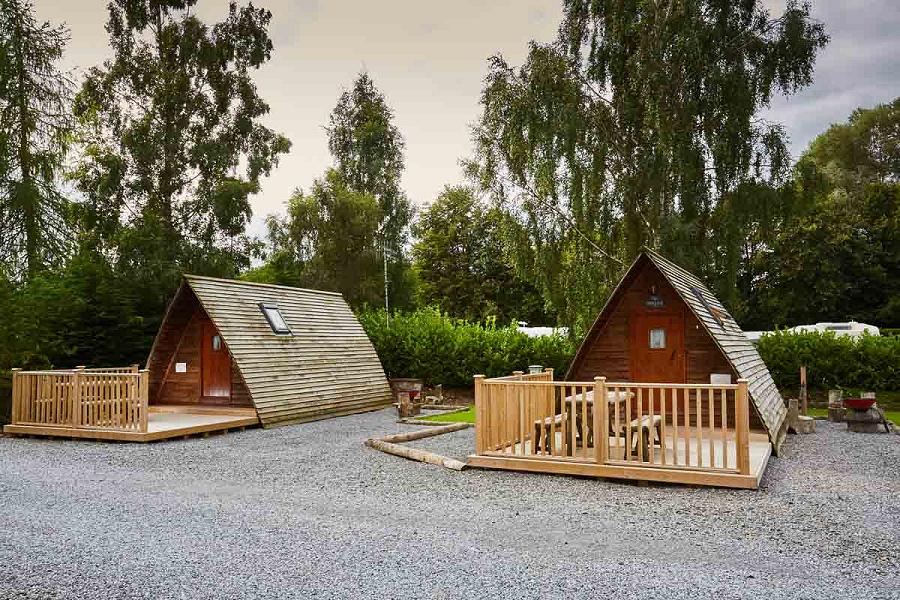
point(387, 307)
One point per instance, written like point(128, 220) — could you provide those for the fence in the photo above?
point(678, 426)
point(82, 398)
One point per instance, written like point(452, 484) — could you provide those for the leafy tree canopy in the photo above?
point(849, 156)
point(35, 135)
point(368, 152)
point(462, 264)
point(630, 128)
point(838, 255)
point(174, 143)
point(327, 241)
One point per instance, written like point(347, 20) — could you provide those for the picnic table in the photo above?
point(643, 428)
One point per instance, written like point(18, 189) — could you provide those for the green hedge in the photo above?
point(5, 396)
point(429, 345)
point(868, 362)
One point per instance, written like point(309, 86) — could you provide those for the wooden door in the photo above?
point(215, 366)
point(657, 348)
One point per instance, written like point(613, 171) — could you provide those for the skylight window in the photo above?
point(275, 319)
point(715, 313)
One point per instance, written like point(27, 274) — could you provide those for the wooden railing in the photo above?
point(129, 369)
point(680, 426)
point(81, 398)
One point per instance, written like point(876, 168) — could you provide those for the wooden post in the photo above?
point(549, 370)
point(803, 404)
point(518, 406)
point(742, 427)
point(144, 395)
point(601, 421)
point(135, 368)
point(16, 408)
point(480, 421)
point(76, 396)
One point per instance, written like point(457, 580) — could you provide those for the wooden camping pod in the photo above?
point(326, 366)
point(700, 339)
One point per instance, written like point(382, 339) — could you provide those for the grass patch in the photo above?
point(892, 415)
point(460, 416)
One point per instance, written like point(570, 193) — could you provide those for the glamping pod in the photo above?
point(664, 387)
point(662, 324)
point(293, 354)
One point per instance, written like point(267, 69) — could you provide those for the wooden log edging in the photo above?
point(391, 445)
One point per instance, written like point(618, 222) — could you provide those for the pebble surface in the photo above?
point(307, 511)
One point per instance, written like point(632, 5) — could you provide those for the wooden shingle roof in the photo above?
point(730, 339)
point(327, 367)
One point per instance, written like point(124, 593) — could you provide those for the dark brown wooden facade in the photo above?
point(651, 331)
point(181, 340)
point(609, 349)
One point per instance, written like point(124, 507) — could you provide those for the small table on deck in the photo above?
point(542, 427)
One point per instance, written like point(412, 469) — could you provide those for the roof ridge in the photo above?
point(189, 277)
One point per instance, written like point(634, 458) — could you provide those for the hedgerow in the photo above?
point(868, 362)
point(432, 346)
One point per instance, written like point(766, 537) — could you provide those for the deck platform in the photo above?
point(516, 458)
point(163, 421)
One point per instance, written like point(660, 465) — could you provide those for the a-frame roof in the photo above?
point(722, 328)
point(328, 365)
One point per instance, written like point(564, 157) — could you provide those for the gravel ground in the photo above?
point(308, 511)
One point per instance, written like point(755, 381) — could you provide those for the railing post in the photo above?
point(76, 396)
point(135, 368)
point(518, 406)
point(549, 370)
point(601, 421)
point(742, 427)
point(479, 414)
point(143, 396)
point(16, 415)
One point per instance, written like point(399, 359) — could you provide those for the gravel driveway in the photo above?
point(308, 511)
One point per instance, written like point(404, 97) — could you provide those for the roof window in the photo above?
point(275, 319)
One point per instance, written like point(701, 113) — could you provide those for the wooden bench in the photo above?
point(542, 428)
point(644, 427)
point(641, 430)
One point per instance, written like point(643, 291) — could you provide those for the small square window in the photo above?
point(275, 319)
point(657, 339)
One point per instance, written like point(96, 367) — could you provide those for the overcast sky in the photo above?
point(429, 59)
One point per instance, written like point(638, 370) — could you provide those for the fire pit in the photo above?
point(862, 416)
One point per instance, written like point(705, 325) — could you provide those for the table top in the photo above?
point(611, 397)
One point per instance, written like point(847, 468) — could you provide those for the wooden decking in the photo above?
point(658, 469)
point(695, 434)
point(162, 422)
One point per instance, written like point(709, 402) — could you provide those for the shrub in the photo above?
point(5, 396)
point(868, 362)
point(432, 346)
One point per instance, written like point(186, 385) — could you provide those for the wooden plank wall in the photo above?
point(178, 314)
point(766, 401)
point(606, 352)
point(183, 345)
point(328, 367)
point(607, 349)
